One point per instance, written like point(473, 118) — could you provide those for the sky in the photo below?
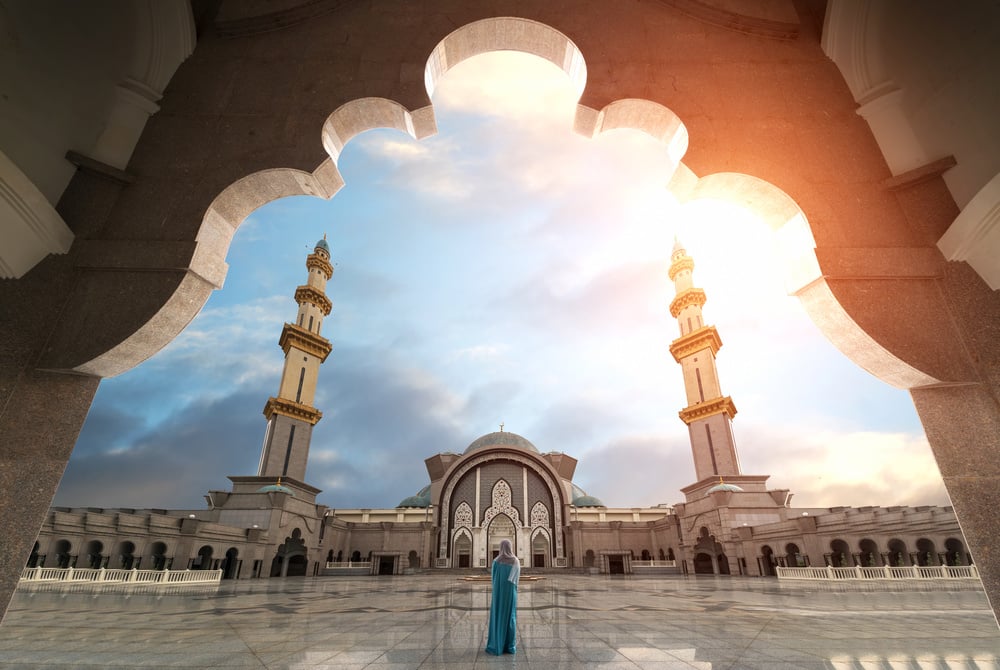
point(502, 270)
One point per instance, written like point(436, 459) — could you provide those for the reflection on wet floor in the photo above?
point(565, 621)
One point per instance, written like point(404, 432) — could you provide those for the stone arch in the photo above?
point(63, 557)
point(501, 503)
point(840, 554)
point(158, 551)
point(454, 476)
point(461, 548)
point(126, 555)
point(897, 554)
point(926, 552)
point(95, 556)
point(869, 554)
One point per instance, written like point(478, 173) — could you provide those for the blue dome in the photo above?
point(587, 501)
point(581, 499)
point(323, 245)
point(277, 488)
point(421, 499)
point(501, 439)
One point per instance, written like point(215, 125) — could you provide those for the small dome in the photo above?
point(501, 439)
point(581, 499)
point(587, 501)
point(323, 245)
point(277, 488)
point(422, 499)
point(722, 486)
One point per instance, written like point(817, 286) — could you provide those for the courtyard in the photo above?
point(565, 621)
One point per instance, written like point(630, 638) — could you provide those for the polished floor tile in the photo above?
point(565, 622)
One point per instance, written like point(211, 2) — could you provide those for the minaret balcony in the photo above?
point(317, 262)
point(706, 337)
point(682, 263)
point(703, 410)
point(304, 340)
point(292, 410)
point(313, 295)
point(686, 298)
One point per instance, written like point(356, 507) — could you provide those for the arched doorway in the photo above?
point(839, 554)
point(290, 559)
point(589, 559)
point(126, 556)
point(159, 553)
point(703, 564)
point(231, 564)
point(63, 557)
point(413, 559)
point(95, 559)
point(501, 528)
point(897, 556)
point(204, 559)
point(767, 561)
point(540, 550)
point(723, 562)
point(869, 553)
point(954, 551)
point(926, 552)
point(793, 558)
point(462, 550)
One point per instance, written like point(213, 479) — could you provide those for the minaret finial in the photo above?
point(501, 426)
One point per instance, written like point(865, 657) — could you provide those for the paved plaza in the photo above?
point(564, 621)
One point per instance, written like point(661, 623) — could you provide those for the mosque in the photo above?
point(501, 486)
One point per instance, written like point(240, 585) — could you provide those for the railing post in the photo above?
point(887, 571)
point(974, 570)
point(857, 572)
point(916, 572)
point(68, 574)
point(164, 576)
point(132, 575)
point(829, 572)
point(944, 571)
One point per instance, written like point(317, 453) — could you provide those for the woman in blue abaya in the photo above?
point(503, 609)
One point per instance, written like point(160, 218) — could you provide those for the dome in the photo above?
point(581, 499)
point(723, 486)
point(501, 439)
point(277, 488)
point(421, 499)
point(323, 245)
point(587, 501)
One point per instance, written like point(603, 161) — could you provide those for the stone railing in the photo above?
point(349, 564)
point(654, 564)
point(884, 572)
point(118, 577)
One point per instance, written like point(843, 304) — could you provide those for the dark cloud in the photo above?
point(170, 466)
point(637, 470)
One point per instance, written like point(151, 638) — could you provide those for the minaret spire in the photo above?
point(708, 414)
point(291, 415)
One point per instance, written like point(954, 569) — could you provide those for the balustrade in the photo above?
point(118, 577)
point(883, 572)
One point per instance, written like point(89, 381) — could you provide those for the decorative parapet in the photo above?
point(307, 293)
point(706, 337)
point(703, 410)
point(304, 340)
point(686, 298)
point(292, 410)
point(317, 262)
point(682, 263)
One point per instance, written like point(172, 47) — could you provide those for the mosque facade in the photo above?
point(501, 486)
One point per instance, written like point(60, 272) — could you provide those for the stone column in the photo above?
point(40, 418)
point(962, 423)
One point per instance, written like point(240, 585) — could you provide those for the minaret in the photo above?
point(708, 414)
point(291, 415)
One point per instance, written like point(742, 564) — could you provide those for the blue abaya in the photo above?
point(503, 610)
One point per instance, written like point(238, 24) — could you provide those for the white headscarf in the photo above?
point(507, 557)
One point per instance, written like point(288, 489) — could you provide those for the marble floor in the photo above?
point(564, 621)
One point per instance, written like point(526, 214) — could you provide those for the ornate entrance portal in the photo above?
point(501, 528)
